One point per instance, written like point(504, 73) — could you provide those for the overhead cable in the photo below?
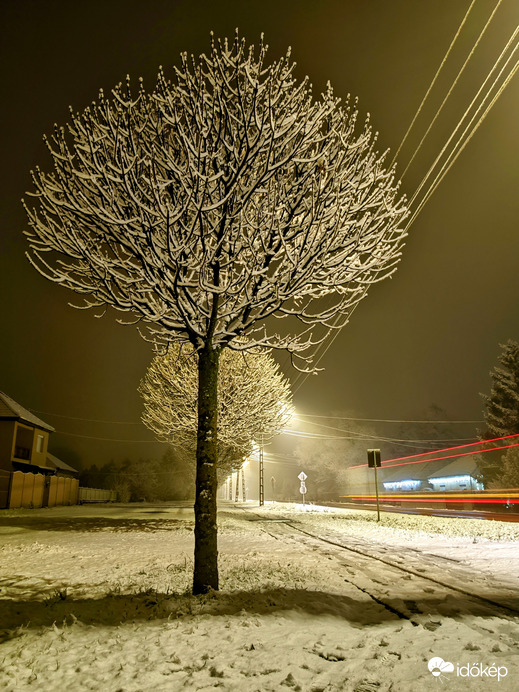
point(464, 139)
point(433, 83)
point(456, 80)
point(385, 420)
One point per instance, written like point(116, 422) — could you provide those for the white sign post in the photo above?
point(302, 477)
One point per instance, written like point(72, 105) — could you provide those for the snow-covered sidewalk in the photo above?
point(97, 598)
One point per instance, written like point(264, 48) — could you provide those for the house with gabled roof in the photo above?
point(460, 475)
point(26, 467)
point(439, 475)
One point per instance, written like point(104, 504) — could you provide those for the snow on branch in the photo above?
point(227, 195)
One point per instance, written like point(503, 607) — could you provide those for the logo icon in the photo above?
point(438, 666)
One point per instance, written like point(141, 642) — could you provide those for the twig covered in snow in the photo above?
point(226, 195)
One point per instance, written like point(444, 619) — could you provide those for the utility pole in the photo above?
point(243, 484)
point(261, 476)
point(237, 494)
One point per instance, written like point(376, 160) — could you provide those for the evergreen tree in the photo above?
point(502, 409)
point(508, 476)
point(502, 405)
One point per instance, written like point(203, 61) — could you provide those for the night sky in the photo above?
point(430, 335)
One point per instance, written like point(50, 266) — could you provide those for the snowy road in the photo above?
point(95, 598)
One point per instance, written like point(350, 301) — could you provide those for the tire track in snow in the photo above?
point(407, 608)
point(416, 573)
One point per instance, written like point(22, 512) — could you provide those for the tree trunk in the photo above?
point(205, 575)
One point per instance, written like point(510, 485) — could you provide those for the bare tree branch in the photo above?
point(227, 195)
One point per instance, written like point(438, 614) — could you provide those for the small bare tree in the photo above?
point(226, 196)
point(254, 401)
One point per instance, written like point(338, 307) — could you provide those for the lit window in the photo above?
point(39, 443)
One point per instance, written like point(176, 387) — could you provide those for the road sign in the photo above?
point(373, 458)
point(374, 463)
point(302, 489)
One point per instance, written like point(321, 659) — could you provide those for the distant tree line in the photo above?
point(170, 477)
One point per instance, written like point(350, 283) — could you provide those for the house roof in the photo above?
point(429, 469)
point(10, 410)
point(459, 467)
point(60, 465)
point(415, 472)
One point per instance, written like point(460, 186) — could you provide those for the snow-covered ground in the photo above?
point(97, 598)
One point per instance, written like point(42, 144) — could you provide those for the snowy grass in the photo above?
point(98, 598)
point(358, 521)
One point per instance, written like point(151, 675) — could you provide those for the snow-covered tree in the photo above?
point(502, 404)
point(501, 411)
point(254, 401)
point(225, 197)
point(507, 475)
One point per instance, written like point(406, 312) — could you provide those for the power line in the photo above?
point(105, 439)
point(453, 84)
point(385, 420)
point(464, 139)
point(360, 437)
point(388, 462)
point(449, 163)
point(296, 386)
point(304, 415)
point(87, 420)
point(367, 434)
point(452, 157)
point(432, 84)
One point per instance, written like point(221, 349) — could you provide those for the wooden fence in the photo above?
point(96, 495)
point(37, 490)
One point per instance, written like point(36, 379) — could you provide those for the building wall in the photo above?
point(6, 443)
point(29, 444)
point(460, 483)
point(40, 457)
point(5, 480)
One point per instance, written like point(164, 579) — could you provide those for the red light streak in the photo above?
point(388, 463)
point(449, 449)
point(450, 456)
point(460, 500)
